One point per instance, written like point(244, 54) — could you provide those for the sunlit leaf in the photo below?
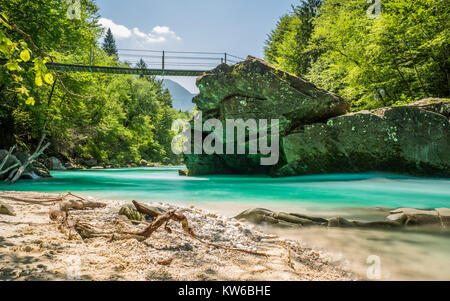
point(38, 80)
point(30, 101)
point(25, 55)
point(48, 78)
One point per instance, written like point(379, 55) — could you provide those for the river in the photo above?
point(367, 197)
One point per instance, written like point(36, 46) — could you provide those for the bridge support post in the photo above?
point(163, 60)
point(225, 57)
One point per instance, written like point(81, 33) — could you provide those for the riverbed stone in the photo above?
point(399, 218)
point(6, 209)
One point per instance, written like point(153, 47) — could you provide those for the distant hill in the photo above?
point(181, 98)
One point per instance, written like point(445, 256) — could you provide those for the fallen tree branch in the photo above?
point(145, 210)
point(33, 157)
point(61, 210)
point(7, 157)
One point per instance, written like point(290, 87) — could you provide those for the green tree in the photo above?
point(287, 45)
point(400, 57)
point(141, 65)
point(109, 44)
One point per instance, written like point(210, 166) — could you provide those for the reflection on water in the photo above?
point(366, 197)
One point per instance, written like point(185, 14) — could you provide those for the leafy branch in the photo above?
point(8, 48)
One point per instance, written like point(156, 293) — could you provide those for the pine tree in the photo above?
point(141, 65)
point(109, 44)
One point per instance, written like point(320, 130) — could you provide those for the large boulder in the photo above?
point(400, 139)
point(259, 90)
point(316, 134)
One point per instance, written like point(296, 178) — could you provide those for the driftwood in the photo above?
point(2, 172)
point(61, 210)
point(87, 231)
point(37, 153)
point(145, 210)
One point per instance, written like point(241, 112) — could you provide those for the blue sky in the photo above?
point(239, 27)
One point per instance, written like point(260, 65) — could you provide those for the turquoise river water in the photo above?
point(320, 192)
point(404, 255)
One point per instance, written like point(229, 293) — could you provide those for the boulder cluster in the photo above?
point(317, 134)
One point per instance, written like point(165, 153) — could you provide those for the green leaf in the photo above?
point(38, 80)
point(48, 78)
point(25, 55)
point(30, 101)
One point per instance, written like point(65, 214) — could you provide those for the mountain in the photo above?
point(181, 98)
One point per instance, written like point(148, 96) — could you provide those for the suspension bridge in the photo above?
point(162, 63)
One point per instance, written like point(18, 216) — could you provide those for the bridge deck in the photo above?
point(123, 70)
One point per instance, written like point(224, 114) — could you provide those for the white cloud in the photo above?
point(119, 31)
point(159, 34)
point(165, 31)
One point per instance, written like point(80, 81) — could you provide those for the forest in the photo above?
point(373, 59)
point(92, 118)
point(392, 54)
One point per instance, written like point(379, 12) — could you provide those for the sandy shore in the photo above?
point(32, 247)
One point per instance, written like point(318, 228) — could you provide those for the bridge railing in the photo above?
point(173, 60)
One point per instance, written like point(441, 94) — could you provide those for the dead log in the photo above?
point(30, 160)
point(145, 210)
point(5, 160)
point(163, 219)
point(61, 210)
point(7, 157)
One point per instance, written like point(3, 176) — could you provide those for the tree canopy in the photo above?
point(115, 120)
point(397, 58)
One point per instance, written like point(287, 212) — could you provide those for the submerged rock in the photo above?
point(400, 218)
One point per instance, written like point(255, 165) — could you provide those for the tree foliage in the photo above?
point(127, 119)
point(109, 44)
point(397, 58)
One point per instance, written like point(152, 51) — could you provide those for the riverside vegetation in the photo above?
point(89, 119)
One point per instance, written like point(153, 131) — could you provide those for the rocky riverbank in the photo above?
point(33, 247)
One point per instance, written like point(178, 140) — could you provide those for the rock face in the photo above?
point(254, 89)
point(316, 134)
point(401, 139)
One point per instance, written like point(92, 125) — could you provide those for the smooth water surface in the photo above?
point(319, 192)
